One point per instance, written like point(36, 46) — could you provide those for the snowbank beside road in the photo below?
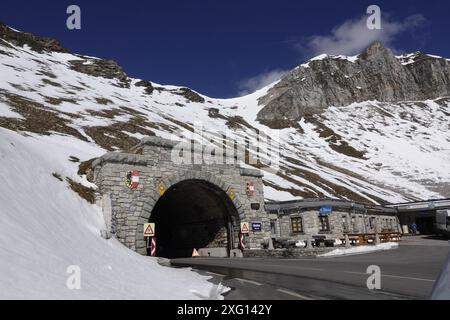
point(361, 250)
point(45, 228)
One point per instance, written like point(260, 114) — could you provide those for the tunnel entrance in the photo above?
point(193, 214)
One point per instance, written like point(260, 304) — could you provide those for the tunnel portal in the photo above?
point(193, 214)
point(194, 206)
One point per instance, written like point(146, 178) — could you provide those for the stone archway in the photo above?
point(211, 217)
point(151, 161)
point(194, 214)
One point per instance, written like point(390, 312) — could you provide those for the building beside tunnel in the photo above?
point(328, 219)
point(194, 206)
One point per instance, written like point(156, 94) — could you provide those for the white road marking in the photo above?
point(249, 281)
point(392, 276)
point(294, 294)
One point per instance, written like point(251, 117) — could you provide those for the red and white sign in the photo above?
point(153, 248)
point(250, 188)
point(195, 253)
point(133, 179)
point(149, 230)
point(242, 241)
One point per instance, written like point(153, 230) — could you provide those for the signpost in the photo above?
point(232, 193)
point(132, 179)
point(153, 247)
point(256, 226)
point(149, 230)
point(250, 190)
point(326, 210)
point(149, 233)
point(245, 228)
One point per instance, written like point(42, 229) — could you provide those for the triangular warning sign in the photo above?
point(195, 253)
point(244, 227)
point(149, 230)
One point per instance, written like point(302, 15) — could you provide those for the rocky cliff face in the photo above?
point(38, 44)
point(376, 74)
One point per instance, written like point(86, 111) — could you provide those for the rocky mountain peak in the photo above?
point(376, 74)
point(374, 50)
point(38, 44)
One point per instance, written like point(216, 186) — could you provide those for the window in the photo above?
point(372, 222)
point(324, 223)
point(291, 211)
point(297, 225)
point(344, 224)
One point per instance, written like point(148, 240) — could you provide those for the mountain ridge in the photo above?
point(374, 75)
point(339, 152)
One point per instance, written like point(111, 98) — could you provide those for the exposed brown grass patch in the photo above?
point(84, 192)
point(47, 74)
point(85, 168)
point(107, 113)
point(113, 137)
point(181, 124)
point(52, 83)
point(335, 141)
point(37, 118)
point(189, 95)
point(57, 101)
point(147, 85)
point(103, 101)
point(215, 114)
point(237, 122)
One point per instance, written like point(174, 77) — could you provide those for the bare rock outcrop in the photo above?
point(376, 74)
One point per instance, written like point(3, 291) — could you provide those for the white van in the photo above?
point(443, 222)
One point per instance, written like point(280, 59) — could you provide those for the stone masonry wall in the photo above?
point(340, 222)
point(152, 158)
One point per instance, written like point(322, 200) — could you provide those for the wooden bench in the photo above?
point(359, 239)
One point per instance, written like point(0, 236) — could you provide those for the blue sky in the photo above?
point(226, 48)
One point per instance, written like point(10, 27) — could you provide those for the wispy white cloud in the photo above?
point(353, 36)
point(260, 81)
point(349, 38)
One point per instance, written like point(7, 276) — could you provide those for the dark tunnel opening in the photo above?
point(192, 214)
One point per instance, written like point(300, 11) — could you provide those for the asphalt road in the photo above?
point(408, 272)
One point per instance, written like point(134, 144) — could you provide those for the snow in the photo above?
point(352, 59)
point(5, 111)
point(361, 250)
point(407, 59)
point(46, 228)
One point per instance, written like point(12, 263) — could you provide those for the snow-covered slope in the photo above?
point(45, 228)
point(59, 109)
